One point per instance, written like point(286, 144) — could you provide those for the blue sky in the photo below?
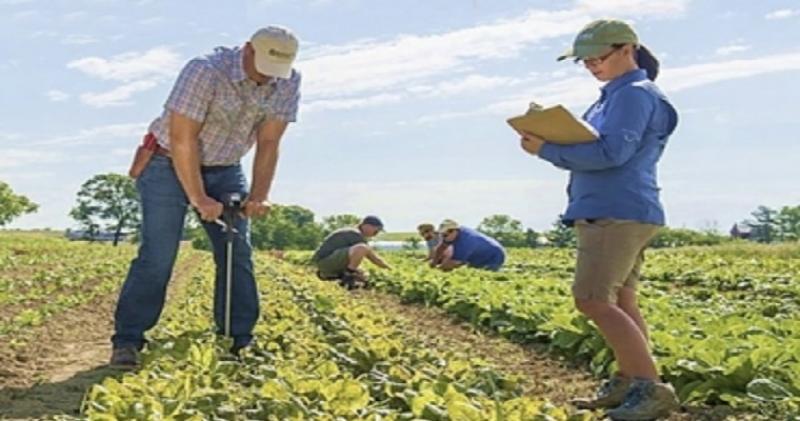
point(404, 103)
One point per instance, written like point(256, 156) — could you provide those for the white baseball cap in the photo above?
point(275, 50)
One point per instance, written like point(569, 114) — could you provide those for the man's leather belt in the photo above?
point(161, 151)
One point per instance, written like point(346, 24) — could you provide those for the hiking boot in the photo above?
point(361, 280)
point(126, 357)
point(349, 279)
point(646, 400)
point(611, 394)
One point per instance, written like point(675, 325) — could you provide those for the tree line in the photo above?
point(110, 203)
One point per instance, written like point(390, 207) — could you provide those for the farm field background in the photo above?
point(422, 344)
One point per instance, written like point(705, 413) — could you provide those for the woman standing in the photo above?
point(615, 208)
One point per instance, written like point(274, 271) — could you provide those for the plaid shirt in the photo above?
point(216, 91)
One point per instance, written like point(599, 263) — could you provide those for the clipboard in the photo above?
point(554, 124)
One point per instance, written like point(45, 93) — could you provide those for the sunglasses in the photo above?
point(595, 61)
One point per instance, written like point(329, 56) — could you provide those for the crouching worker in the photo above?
point(465, 246)
point(342, 252)
point(431, 237)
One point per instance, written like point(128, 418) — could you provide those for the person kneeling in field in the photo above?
point(342, 252)
point(464, 246)
point(431, 237)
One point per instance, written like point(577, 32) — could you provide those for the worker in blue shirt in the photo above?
point(615, 208)
point(465, 246)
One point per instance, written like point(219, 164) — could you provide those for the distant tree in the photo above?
point(411, 243)
point(561, 235)
point(532, 238)
point(334, 222)
point(505, 229)
point(679, 237)
point(286, 227)
point(13, 205)
point(109, 201)
point(788, 223)
point(764, 225)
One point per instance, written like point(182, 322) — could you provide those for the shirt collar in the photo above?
point(239, 76)
point(635, 75)
point(237, 70)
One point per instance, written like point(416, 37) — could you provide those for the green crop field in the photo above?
point(725, 327)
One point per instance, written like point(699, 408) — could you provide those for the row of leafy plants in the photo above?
point(318, 354)
point(42, 276)
point(738, 271)
point(715, 347)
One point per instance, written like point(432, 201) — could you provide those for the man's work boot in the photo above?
point(126, 358)
point(348, 279)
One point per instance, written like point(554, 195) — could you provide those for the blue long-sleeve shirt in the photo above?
point(615, 176)
point(477, 249)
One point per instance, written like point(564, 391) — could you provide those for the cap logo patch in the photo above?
point(280, 54)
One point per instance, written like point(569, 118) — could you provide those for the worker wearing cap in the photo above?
point(341, 253)
point(614, 205)
point(221, 105)
point(432, 238)
point(465, 246)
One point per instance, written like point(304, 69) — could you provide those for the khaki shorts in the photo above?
point(610, 257)
point(335, 263)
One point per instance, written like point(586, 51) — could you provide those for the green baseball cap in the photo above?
point(597, 38)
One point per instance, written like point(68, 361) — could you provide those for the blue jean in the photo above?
point(164, 206)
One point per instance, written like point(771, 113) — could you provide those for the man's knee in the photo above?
point(359, 249)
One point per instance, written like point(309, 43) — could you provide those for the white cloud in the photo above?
point(44, 33)
point(470, 83)
point(9, 64)
point(782, 14)
point(78, 39)
point(409, 59)
point(139, 72)
point(451, 115)
point(25, 14)
point(130, 66)
point(578, 91)
point(732, 49)
point(14, 2)
point(152, 20)
point(9, 137)
point(635, 7)
point(120, 95)
point(692, 76)
point(56, 95)
point(15, 158)
point(369, 67)
point(108, 19)
point(94, 135)
point(73, 16)
point(572, 91)
point(38, 152)
point(351, 103)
